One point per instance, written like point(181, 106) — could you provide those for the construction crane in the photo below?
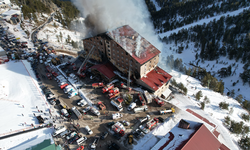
point(86, 59)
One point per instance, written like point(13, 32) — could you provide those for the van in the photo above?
point(81, 140)
point(131, 106)
point(59, 130)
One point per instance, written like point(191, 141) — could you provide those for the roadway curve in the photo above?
point(33, 34)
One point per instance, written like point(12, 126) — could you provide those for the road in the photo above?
point(33, 34)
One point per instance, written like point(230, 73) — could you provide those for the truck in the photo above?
point(141, 109)
point(118, 128)
point(97, 85)
point(77, 113)
point(144, 119)
point(159, 101)
point(142, 99)
point(101, 105)
point(65, 113)
point(116, 116)
point(107, 88)
point(49, 76)
point(64, 85)
point(152, 123)
point(166, 111)
point(59, 130)
point(118, 106)
point(148, 97)
point(113, 95)
point(94, 144)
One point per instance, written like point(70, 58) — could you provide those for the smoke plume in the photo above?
point(106, 15)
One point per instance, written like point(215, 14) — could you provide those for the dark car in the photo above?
point(161, 119)
point(104, 135)
point(113, 146)
point(69, 111)
point(71, 141)
point(58, 102)
point(109, 125)
point(117, 136)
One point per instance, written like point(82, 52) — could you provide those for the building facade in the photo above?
point(128, 51)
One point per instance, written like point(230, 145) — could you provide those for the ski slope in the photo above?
point(19, 97)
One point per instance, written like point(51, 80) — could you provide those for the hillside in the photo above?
point(209, 42)
point(217, 43)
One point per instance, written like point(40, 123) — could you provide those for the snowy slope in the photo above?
point(53, 34)
point(188, 55)
point(19, 96)
point(26, 140)
point(212, 112)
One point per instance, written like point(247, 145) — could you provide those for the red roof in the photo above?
point(203, 139)
point(133, 43)
point(105, 69)
point(224, 147)
point(156, 78)
point(200, 117)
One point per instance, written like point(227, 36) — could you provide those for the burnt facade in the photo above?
point(126, 50)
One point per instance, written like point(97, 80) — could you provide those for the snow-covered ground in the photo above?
point(26, 140)
point(212, 112)
point(57, 35)
point(19, 96)
point(19, 33)
point(188, 55)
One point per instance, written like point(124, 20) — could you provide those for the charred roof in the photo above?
point(133, 43)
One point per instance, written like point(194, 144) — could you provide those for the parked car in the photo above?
point(113, 146)
point(143, 129)
point(126, 123)
point(89, 130)
point(71, 135)
point(110, 124)
point(104, 135)
point(71, 141)
point(117, 136)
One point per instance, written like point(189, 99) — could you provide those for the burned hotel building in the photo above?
point(128, 51)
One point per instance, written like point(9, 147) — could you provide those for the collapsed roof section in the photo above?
point(156, 78)
point(133, 43)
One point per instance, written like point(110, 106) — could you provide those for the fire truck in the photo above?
point(113, 95)
point(141, 98)
point(54, 74)
point(118, 128)
point(97, 85)
point(101, 105)
point(152, 122)
point(107, 88)
point(158, 101)
point(49, 76)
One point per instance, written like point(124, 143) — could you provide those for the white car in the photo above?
point(131, 106)
point(94, 111)
point(82, 103)
point(116, 116)
point(89, 130)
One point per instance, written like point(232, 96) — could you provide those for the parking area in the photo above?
point(98, 124)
